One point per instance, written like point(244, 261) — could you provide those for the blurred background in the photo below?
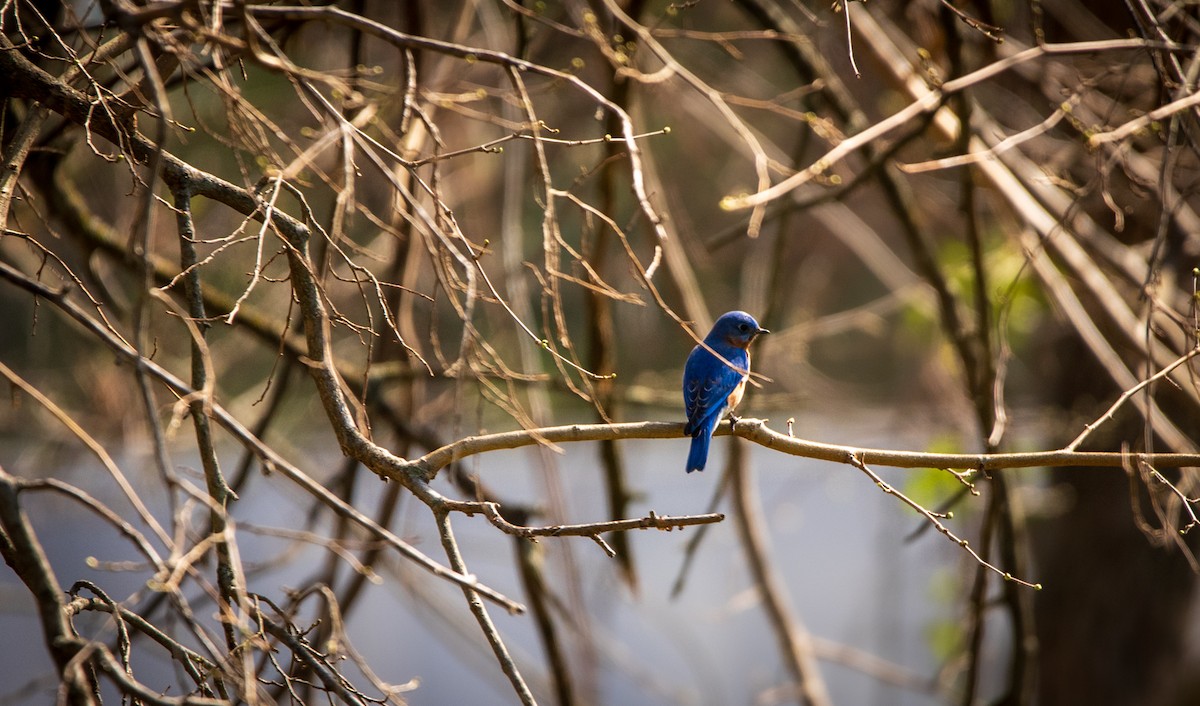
point(970, 226)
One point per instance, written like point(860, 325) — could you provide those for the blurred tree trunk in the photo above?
point(1114, 611)
point(1113, 618)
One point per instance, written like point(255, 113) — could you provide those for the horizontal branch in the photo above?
point(757, 431)
point(591, 529)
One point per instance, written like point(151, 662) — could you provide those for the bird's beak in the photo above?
point(761, 331)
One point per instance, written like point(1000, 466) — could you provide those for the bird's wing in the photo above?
point(707, 384)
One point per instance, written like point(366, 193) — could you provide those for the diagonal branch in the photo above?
point(929, 102)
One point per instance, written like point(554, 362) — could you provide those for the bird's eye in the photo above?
point(743, 327)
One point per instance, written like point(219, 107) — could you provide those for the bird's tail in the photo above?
point(698, 455)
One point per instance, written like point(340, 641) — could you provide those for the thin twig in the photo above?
point(1188, 503)
point(454, 555)
point(92, 445)
point(1112, 410)
point(850, 38)
point(935, 518)
point(990, 31)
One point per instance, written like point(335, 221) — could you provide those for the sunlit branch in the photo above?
point(1000, 147)
point(756, 430)
point(845, 9)
point(928, 102)
point(1120, 133)
point(1189, 504)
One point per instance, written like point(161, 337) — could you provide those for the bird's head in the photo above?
point(736, 328)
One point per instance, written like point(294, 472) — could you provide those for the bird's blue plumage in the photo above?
point(711, 387)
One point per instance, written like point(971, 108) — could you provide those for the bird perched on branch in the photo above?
point(712, 387)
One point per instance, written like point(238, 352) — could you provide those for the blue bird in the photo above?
point(711, 387)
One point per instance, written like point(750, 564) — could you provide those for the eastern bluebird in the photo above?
point(710, 386)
